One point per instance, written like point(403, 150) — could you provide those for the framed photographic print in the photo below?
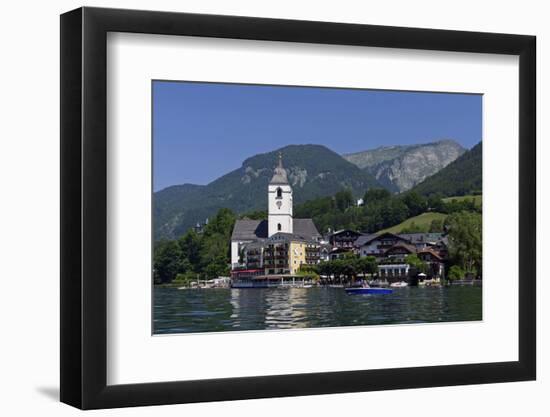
point(258, 207)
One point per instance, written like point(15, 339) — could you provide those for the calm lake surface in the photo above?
point(213, 310)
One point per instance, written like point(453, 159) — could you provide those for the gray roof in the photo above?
point(305, 227)
point(249, 230)
point(413, 238)
point(363, 240)
point(290, 237)
point(255, 244)
point(257, 229)
point(279, 175)
point(422, 237)
point(337, 232)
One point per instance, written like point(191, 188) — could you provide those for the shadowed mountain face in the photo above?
point(399, 168)
point(461, 177)
point(313, 171)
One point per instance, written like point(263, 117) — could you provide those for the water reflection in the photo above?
point(189, 311)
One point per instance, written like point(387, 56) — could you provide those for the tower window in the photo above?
point(279, 192)
point(279, 227)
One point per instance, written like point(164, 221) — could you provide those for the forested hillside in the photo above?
point(461, 177)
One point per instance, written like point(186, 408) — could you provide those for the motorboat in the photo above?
point(368, 290)
point(400, 284)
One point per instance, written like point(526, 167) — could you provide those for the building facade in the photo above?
point(280, 244)
point(344, 239)
point(377, 244)
point(282, 254)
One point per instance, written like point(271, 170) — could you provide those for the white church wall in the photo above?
point(279, 209)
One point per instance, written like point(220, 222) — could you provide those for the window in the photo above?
point(279, 227)
point(279, 192)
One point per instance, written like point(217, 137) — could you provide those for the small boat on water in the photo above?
point(399, 284)
point(368, 290)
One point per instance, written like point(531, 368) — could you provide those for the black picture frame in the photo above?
point(84, 207)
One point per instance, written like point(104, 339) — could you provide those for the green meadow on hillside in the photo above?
point(421, 222)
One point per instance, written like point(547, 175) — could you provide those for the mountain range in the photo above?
point(399, 168)
point(313, 171)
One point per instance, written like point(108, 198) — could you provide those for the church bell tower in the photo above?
point(279, 201)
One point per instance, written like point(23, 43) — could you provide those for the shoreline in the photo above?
point(179, 286)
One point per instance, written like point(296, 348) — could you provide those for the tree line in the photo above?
point(465, 244)
point(380, 210)
point(196, 255)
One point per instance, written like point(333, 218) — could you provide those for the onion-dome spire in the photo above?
point(279, 173)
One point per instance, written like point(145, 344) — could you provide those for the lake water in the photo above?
point(213, 310)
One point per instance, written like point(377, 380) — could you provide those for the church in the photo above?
point(280, 244)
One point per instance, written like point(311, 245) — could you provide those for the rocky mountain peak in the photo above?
point(401, 167)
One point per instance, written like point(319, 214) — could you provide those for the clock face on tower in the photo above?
point(279, 203)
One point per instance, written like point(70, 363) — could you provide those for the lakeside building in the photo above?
point(399, 252)
point(377, 244)
point(282, 254)
point(344, 239)
point(391, 251)
point(278, 245)
point(342, 242)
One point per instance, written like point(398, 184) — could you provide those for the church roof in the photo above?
point(257, 229)
point(305, 228)
point(279, 173)
point(249, 230)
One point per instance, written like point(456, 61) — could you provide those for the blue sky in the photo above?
point(202, 131)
